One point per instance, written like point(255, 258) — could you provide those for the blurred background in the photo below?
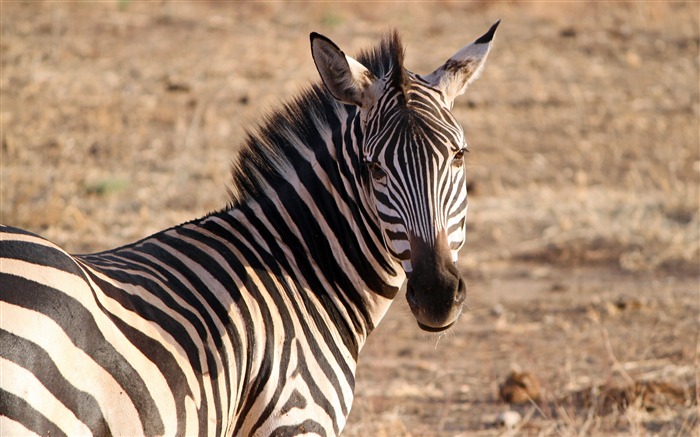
point(121, 118)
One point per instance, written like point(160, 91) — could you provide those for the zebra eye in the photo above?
point(458, 160)
point(376, 171)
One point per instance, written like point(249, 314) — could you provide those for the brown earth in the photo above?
point(121, 118)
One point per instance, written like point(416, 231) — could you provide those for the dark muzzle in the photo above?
point(435, 290)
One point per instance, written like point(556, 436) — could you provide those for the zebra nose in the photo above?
point(435, 296)
point(435, 291)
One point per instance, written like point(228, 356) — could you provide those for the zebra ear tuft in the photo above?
point(346, 79)
point(453, 77)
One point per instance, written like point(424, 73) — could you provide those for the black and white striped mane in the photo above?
point(295, 130)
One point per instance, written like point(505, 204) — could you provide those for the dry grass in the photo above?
point(119, 119)
point(598, 225)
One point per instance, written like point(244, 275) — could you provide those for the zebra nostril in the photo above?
point(461, 291)
point(412, 300)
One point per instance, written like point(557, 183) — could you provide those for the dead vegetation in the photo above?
point(121, 118)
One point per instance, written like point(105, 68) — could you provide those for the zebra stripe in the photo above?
point(249, 321)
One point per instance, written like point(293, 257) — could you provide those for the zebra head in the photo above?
point(412, 151)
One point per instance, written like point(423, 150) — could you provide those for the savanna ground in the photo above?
point(120, 118)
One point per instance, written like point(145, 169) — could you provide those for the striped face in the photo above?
point(414, 158)
point(413, 164)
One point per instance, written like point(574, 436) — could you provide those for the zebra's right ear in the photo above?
point(346, 79)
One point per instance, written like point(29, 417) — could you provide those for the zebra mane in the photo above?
point(289, 134)
point(386, 59)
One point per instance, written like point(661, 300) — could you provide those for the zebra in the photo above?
point(249, 321)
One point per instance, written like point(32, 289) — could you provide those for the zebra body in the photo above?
point(249, 321)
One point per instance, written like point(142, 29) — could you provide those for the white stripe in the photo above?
point(9, 427)
point(34, 239)
point(191, 424)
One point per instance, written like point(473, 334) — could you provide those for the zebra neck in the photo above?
point(314, 223)
point(297, 191)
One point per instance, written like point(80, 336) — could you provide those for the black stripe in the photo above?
point(162, 318)
point(303, 264)
point(284, 359)
point(295, 400)
point(4, 229)
point(38, 254)
point(317, 394)
point(19, 410)
point(271, 265)
point(149, 276)
point(308, 426)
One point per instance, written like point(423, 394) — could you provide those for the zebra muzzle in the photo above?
point(435, 291)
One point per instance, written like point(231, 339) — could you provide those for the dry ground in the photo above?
point(120, 118)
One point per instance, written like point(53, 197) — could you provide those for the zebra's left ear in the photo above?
point(345, 78)
point(453, 77)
